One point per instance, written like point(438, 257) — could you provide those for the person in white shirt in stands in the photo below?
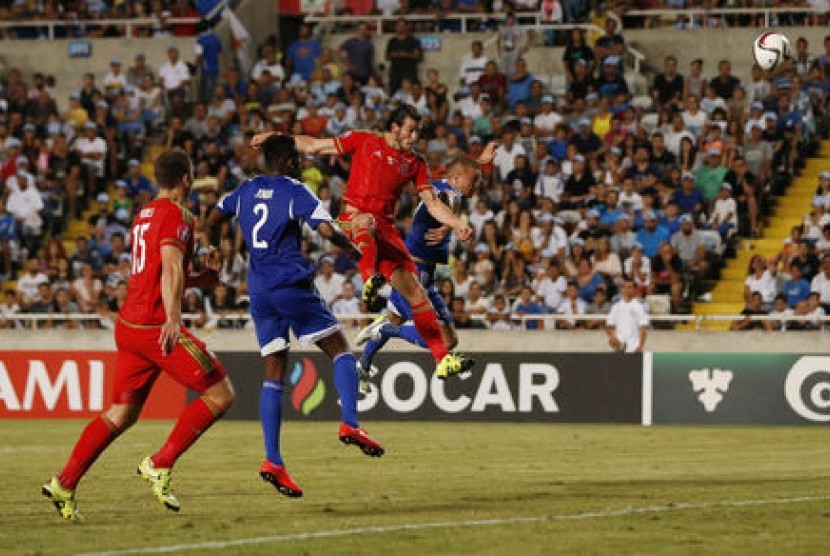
point(92, 150)
point(21, 175)
point(549, 183)
point(551, 286)
point(26, 205)
point(821, 283)
point(571, 305)
point(547, 119)
point(469, 105)
point(637, 267)
point(115, 80)
point(627, 323)
point(761, 279)
point(781, 310)
point(329, 283)
point(346, 304)
point(506, 154)
point(174, 74)
point(725, 213)
point(480, 215)
point(268, 62)
point(472, 66)
point(27, 284)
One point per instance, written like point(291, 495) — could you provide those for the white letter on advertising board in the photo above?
point(542, 392)
point(96, 385)
point(493, 377)
point(38, 378)
point(442, 402)
point(7, 393)
point(419, 387)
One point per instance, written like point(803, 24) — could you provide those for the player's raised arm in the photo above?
point(172, 291)
point(305, 144)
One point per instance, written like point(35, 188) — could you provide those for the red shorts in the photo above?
point(139, 362)
point(392, 253)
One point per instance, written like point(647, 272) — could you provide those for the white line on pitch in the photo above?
point(218, 545)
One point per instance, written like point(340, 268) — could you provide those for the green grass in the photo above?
point(436, 473)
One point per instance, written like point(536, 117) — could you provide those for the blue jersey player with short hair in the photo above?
point(270, 210)
point(428, 242)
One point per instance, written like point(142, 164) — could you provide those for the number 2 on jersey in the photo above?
point(139, 247)
point(261, 210)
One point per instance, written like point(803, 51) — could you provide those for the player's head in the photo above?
point(403, 124)
point(281, 155)
point(629, 289)
point(462, 174)
point(174, 169)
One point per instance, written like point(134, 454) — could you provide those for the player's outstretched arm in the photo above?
point(334, 234)
point(489, 153)
point(444, 214)
point(172, 291)
point(305, 144)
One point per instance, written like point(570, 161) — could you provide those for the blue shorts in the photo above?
point(426, 275)
point(297, 307)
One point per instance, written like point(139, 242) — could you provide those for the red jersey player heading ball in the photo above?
point(382, 164)
point(150, 339)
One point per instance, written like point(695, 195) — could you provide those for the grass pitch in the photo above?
point(586, 489)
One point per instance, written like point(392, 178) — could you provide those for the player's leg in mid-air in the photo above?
point(311, 322)
point(361, 229)
point(396, 323)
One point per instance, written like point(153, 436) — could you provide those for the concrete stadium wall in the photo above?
point(562, 341)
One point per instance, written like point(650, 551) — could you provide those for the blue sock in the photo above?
point(270, 414)
point(345, 380)
point(409, 333)
point(369, 351)
point(388, 331)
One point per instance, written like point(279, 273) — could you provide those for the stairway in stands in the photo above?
point(789, 211)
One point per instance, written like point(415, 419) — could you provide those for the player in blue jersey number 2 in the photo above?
point(270, 210)
point(428, 242)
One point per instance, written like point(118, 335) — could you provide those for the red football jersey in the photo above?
point(162, 222)
point(379, 172)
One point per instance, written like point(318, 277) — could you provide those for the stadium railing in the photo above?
point(30, 319)
point(635, 57)
point(51, 25)
point(702, 17)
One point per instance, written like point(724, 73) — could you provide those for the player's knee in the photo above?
point(221, 398)
point(364, 221)
point(122, 417)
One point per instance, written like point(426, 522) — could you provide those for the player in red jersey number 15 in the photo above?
point(150, 339)
point(382, 164)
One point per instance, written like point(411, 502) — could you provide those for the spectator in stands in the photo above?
point(346, 303)
point(724, 216)
point(358, 54)
point(174, 75)
point(796, 289)
point(329, 283)
point(782, 311)
point(473, 63)
point(710, 176)
point(754, 307)
point(572, 305)
point(761, 279)
point(667, 275)
point(498, 316)
point(669, 84)
point(26, 205)
point(403, 52)
point(208, 49)
point(724, 84)
point(301, 56)
point(512, 42)
point(526, 305)
point(651, 236)
point(821, 283)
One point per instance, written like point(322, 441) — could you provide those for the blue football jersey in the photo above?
point(424, 221)
point(271, 211)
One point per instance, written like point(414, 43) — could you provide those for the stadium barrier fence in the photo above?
point(49, 27)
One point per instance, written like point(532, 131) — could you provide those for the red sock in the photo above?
point(365, 240)
point(196, 418)
point(97, 435)
point(426, 322)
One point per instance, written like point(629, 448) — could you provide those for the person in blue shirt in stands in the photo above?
point(651, 235)
point(302, 54)
point(208, 49)
point(271, 209)
point(7, 237)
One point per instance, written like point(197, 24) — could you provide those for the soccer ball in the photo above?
point(770, 49)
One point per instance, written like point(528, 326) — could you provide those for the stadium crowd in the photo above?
point(587, 187)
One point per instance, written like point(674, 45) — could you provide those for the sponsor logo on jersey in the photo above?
point(264, 194)
point(404, 168)
point(146, 213)
point(309, 390)
point(183, 233)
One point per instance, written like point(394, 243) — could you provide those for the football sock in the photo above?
point(345, 380)
point(196, 418)
point(365, 240)
point(95, 438)
point(409, 333)
point(369, 351)
point(270, 414)
point(426, 322)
